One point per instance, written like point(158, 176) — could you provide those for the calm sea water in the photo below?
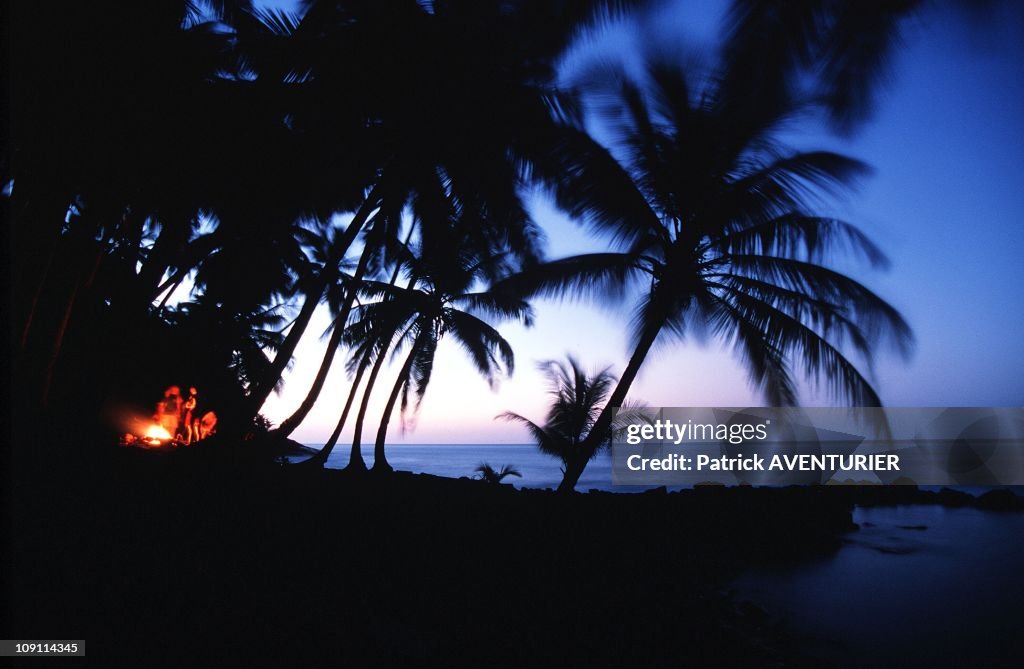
point(456, 460)
point(924, 586)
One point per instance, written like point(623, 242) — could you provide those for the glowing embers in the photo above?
point(157, 435)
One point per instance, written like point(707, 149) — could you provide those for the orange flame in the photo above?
point(156, 433)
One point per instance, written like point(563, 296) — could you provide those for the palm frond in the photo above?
point(547, 441)
point(786, 184)
point(492, 475)
point(873, 314)
point(781, 335)
point(588, 276)
point(501, 305)
point(592, 187)
point(484, 344)
point(812, 237)
point(765, 363)
point(275, 21)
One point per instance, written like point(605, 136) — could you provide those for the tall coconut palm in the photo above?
point(442, 299)
point(341, 302)
point(714, 223)
point(340, 298)
point(371, 353)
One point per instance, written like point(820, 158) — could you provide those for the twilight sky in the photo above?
point(945, 202)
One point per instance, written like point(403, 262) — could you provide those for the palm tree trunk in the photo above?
point(265, 385)
point(320, 459)
point(574, 468)
point(356, 462)
point(380, 461)
point(355, 458)
point(293, 421)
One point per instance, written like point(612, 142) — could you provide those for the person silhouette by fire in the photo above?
point(190, 416)
point(168, 410)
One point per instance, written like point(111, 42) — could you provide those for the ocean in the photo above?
point(457, 460)
point(915, 586)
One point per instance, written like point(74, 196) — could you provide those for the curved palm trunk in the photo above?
point(355, 459)
point(284, 354)
point(574, 468)
point(356, 462)
point(380, 461)
point(320, 459)
point(289, 424)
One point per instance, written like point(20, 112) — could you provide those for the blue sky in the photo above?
point(945, 202)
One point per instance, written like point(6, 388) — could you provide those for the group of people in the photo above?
point(181, 418)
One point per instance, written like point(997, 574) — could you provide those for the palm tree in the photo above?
point(440, 299)
point(482, 76)
point(715, 218)
point(341, 298)
point(577, 399)
point(356, 462)
point(371, 351)
point(495, 476)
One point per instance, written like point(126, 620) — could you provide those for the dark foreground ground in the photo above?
point(162, 560)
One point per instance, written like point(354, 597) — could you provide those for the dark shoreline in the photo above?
point(158, 561)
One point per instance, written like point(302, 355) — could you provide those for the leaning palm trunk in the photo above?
point(380, 461)
point(296, 418)
point(320, 459)
point(600, 432)
point(289, 424)
point(262, 389)
point(356, 462)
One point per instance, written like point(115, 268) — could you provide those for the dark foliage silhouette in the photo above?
point(485, 472)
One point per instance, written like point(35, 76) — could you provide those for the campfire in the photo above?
point(156, 435)
point(153, 436)
point(175, 423)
